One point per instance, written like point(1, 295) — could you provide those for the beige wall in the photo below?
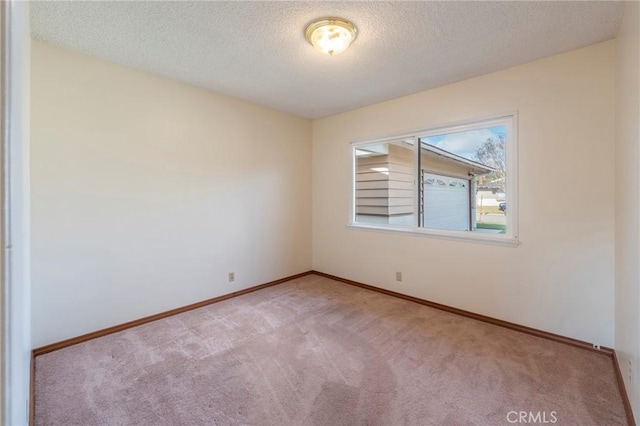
point(146, 192)
point(627, 220)
point(560, 278)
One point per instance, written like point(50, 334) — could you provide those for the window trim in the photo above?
point(510, 121)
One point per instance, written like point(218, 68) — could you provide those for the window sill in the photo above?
point(466, 236)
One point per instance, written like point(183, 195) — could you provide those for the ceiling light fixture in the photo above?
point(331, 35)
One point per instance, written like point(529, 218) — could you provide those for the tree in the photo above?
point(492, 153)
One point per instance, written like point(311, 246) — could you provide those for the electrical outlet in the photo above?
point(232, 277)
point(398, 276)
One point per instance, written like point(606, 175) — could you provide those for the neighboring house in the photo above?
point(384, 186)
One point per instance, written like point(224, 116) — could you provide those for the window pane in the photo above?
point(463, 180)
point(385, 183)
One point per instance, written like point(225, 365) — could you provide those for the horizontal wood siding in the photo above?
point(384, 183)
point(385, 193)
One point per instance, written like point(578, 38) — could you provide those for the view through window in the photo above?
point(464, 180)
point(454, 179)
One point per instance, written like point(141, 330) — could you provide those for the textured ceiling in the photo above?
point(256, 50)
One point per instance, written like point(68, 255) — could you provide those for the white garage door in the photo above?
point(446, 202)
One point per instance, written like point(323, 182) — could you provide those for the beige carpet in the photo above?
point(317, 352)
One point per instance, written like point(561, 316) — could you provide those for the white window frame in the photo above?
point(510, 238)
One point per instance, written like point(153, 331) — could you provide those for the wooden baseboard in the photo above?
point(513, 326)
point(117, 328)
point(468, 314)
point(623, 390)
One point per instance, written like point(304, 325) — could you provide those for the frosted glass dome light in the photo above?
point(331, 35)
